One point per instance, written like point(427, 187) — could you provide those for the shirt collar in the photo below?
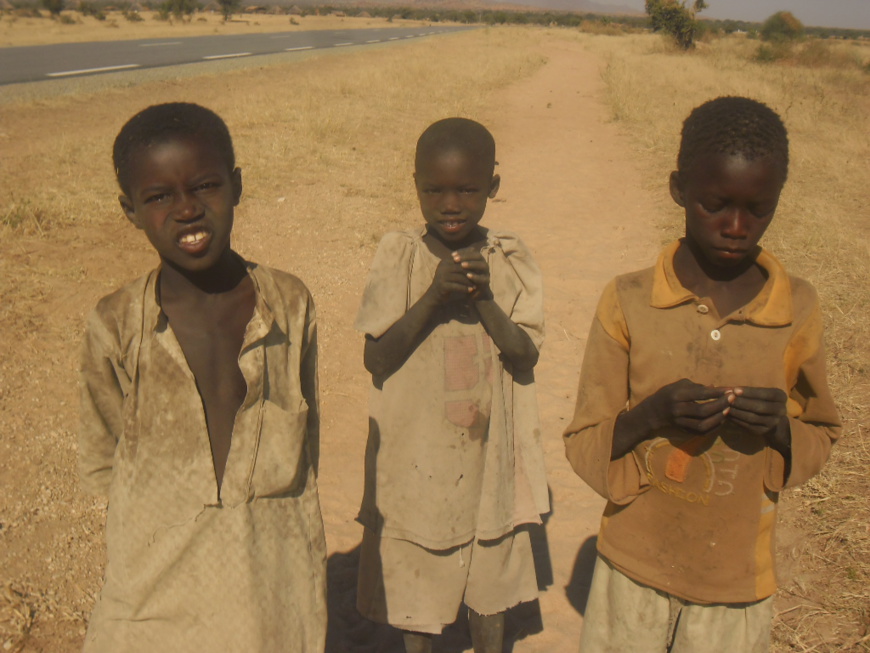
point(260, 324)
point(771, 307)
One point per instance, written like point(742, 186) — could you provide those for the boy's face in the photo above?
point(182, 195)
point(453, 187)
point(729, 203)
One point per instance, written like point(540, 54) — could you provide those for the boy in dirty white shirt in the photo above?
point(453, 319)
point(200, 417)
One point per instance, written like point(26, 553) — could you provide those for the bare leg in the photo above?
point(418, 643)
point(487, 632)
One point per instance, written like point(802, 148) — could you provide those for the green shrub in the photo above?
point(782, 26)
point(54, 7)
point(675, 19)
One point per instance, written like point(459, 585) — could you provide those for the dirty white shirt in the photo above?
point(454, 450)
point(192, 568)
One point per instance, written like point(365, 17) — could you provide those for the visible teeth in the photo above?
point(189, 239)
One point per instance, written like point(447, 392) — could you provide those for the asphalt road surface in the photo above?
point(64, 60)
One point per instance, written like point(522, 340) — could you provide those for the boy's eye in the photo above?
point(468, 191)
point(713, 206)
point(156, 197)
point(208, 185)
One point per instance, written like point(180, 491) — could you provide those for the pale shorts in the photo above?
point(418, 589)
point(624, 615)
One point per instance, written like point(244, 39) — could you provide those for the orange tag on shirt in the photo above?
point(678, 461)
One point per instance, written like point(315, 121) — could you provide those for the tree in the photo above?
point(782, 26)
point(229, 7)
point(179, 8)
point(675, 19)
point(54, 7)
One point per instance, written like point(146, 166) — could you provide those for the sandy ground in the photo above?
point(570, 188)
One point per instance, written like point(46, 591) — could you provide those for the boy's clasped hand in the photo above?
point(700, 409)
point(465, 274)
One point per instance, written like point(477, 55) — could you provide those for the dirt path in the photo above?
point(571, 190)
point(574, 194)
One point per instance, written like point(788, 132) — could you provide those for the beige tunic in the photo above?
point(694, 516)
point(189, 570)
point(454, 449)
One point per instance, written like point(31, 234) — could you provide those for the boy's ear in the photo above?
point(494, 186)
point(676, 187)
point(237, 186)
point(129, 211)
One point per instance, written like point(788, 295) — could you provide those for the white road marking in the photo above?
point(394, 38)
point(85, 71)
point(227, 56)
point(157, 45)
point(340, 45)
point(374, 41)
point(301, 47)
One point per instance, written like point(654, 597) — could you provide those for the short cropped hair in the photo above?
point(160, 123)
point(734, 126)
point(452, 134)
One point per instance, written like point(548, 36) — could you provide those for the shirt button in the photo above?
point(702, 309)
point(715, 334)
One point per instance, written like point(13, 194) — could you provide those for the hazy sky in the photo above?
point(819, 13)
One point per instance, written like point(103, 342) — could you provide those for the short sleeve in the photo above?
point(103, 384)
point(516, 284)
point(385, 298)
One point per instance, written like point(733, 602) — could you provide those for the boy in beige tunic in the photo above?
point(200, 417)
point(702, 396)
point(454, 467)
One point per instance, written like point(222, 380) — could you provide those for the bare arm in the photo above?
point(514, 343)
point(383, 356)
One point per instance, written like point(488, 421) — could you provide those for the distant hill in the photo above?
point(577, 6)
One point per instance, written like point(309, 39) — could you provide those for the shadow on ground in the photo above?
point(577, 589)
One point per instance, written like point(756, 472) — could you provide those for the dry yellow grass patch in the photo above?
point(18, 31)
point(821, 233)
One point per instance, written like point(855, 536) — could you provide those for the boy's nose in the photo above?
point(188, 207)
point(737, 225)
point(450, 202)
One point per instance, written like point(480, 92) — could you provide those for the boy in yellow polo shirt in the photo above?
point(703, 394)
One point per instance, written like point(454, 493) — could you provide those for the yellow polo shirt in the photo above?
point(691, 515)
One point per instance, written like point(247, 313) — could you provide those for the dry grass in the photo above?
point(821, 233)
point(20, 31)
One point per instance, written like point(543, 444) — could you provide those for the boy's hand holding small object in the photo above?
point(476, 270)
point(690, 406)
point(762, 411)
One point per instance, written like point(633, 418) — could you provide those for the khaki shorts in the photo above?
point(418, 589)
point(623, 615)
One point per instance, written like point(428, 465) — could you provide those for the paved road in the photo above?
point(44, 62)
